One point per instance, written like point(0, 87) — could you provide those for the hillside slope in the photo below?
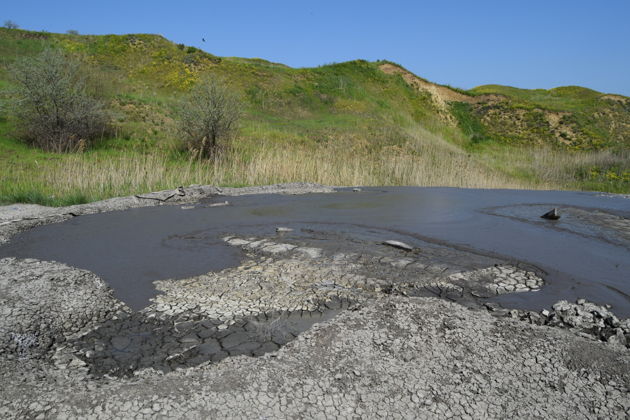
point(566, 116)
point(570, 116)
point(358, 122)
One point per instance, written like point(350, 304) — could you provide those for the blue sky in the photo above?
point(528, 44)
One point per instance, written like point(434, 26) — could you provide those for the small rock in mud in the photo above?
point(223, 203)
point(398, 244)
point(551, 214)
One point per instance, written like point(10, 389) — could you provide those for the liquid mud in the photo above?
point(585, 254)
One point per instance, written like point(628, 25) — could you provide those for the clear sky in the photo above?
point(523, 43)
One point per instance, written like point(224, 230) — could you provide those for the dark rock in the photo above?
point(551, 214)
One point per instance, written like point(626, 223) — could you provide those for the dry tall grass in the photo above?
point(603, 170)
point(422, 161)
point(96, 177)
point(562, 167)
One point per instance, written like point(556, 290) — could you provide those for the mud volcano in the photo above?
point(358, 303)
point(585, 254)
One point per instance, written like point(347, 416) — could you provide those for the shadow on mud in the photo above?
point(122, 346)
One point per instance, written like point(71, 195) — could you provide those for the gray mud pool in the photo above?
point(585, 254)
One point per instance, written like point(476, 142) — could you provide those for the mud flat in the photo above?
point(310, 318)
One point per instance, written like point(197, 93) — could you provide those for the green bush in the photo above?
point(55, 103)
point(207, 116)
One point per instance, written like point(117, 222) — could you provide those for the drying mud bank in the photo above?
point(313, 320)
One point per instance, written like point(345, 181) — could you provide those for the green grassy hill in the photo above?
point(570, 116)
point(359, 122)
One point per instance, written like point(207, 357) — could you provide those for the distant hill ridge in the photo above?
point(570, 116)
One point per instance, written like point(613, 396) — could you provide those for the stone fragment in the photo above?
point(618, 338)
point(398, 244)
point(551, 214)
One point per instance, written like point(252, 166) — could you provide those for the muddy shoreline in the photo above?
point(19, 217)
point(313, 320)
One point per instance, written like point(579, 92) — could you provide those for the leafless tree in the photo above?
point(208, 116)
point(9, 24)
point(72, 32)
point(54, 104)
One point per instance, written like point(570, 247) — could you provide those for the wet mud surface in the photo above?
point(130, 249)
point(136, 341)
point(585, 253)
point(593, 223)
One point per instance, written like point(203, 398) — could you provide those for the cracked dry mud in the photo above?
point(303, 328)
